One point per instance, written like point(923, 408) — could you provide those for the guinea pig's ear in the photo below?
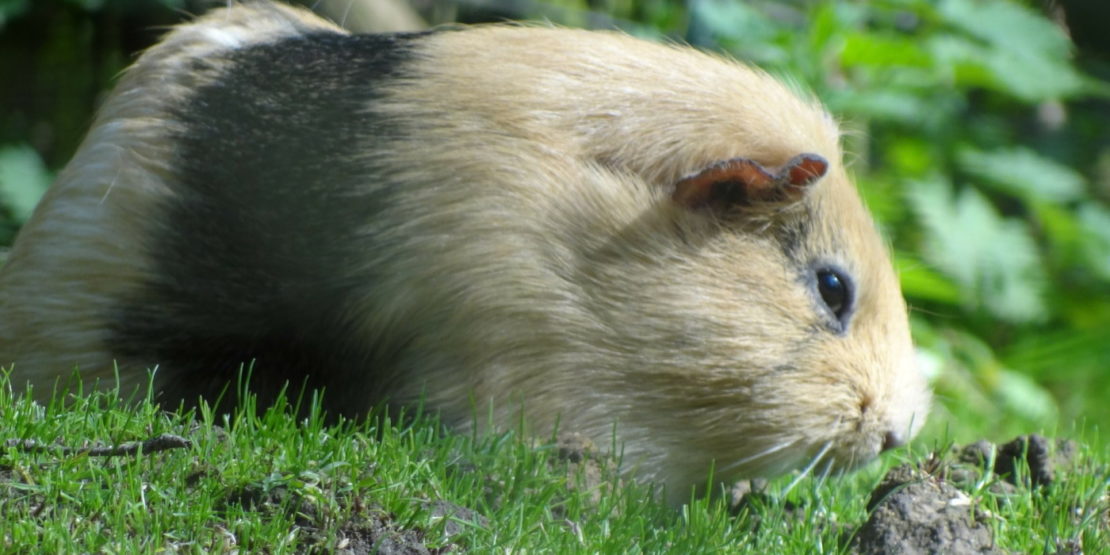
point(742, 182)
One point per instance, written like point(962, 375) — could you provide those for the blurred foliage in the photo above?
point(978, 132)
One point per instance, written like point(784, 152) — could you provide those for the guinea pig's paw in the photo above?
point(744, 182)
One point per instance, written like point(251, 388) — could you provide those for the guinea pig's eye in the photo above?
point(835, 290)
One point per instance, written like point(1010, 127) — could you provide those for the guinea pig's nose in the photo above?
point(892, 440)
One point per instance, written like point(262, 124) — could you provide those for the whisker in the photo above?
point(346, 12)
point(827, 470)
point(764, 453)
point(809, 468)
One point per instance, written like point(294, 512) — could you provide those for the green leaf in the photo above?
point(1061, 354)
point(90, 5)
point(825, 24)
point(1059, 225)
point(962, 62)
point(1026, 55)
point(1095, 221)
point(1007, 26)
point(1022, 395)
point(128, 5)
point(23, 179)
point(734, 20)
point(921, 282)
point(871, 49)
point(10, 9)
point(993, 260)
point(1025, 173)
point(883, 199)
point(887, 105)
point(1032, 79)
point(910, 155)
point(744, 30)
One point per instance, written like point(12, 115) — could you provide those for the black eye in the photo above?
point(835, 291)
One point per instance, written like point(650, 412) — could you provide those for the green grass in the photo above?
point(271, 482)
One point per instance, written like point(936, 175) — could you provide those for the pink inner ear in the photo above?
point(703, 187)
point(804, 169)
point(741, 181)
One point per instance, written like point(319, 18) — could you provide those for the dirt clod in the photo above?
point(378, 535)
point(455, 517)
point(367, 530)
point(979, 453)
point(914, 512)
point(1041, 455)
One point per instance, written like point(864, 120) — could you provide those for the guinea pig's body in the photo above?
point(518, 218)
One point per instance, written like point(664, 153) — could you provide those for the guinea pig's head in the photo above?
point(760, 326)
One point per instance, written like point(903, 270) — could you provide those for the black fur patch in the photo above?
point(254, 255)
point(792, 235)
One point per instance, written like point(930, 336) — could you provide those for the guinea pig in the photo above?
point(564, 228)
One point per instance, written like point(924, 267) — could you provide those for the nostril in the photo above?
point(892, 440)
point(865, 404)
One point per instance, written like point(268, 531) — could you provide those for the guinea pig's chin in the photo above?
point(850, 459)
point(852, 453)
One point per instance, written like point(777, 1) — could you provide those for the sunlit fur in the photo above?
point(535, 260)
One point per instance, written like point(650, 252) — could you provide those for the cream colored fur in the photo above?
point(535, 254)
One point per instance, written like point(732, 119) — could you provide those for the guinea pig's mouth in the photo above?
point(854, 452)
